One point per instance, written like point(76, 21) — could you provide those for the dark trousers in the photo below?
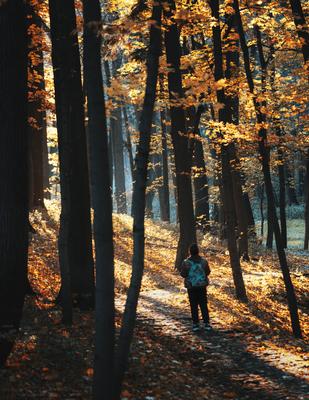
point(198, 297)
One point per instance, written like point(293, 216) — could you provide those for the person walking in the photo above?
point(195, 270)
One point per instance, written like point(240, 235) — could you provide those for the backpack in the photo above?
point(196, 275)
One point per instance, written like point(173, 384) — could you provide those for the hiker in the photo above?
point(195, 270)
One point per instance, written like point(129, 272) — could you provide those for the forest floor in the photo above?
point(249, 354)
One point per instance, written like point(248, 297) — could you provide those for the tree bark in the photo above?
point(36, 112)
point(164, 192)
point(227, 186)
point(290, 183)
point(13, 171)
point(179, 138)
point(283, 226)
point(102, 205)
point(264, 154)
point(75, 244)
point(128, 141)
point(118, 156)
point(141, 162)
point(306, 241)
point(232, 113)
point(200, 179)
point(301, 26)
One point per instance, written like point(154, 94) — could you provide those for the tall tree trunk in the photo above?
point(102, 205)
point(150, 191)
point(227, 186)
point(164, 192)
point(301, 26)
point(75, 245)
point(110, 142)
point(118, 156)
point(306, 241)
point(283, 227)
point(232, 113)
point(290, 183)
point(270, 230)
point(264, 154)
point(262, 208)
point(200, 179)
point(179, 138)
point(141, 162)
point(36, 112)
point(128, 141)
point(249, 212)
point(13, 170)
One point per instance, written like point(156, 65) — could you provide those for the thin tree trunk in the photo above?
point(200, 179)
point(264, 154)
point(13, 171)
point(128, 141)
point(150, 191)
point(262, 209)
point(306, 241)
point(290, 183)
point(110, 142)
point(270, 231)
point(75, 242)
point(141, 162)
point(118, 153)
point(250, 217)
point(227, 187)
point(301, 26)
point(283, 227)
point(37, 115)
point(232, 113)
point(179, 138)
point(102, 205)
point(164, 192)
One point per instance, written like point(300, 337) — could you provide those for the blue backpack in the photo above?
point(196, 275)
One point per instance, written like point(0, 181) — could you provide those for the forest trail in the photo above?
point(220, 364)
point(249, 354)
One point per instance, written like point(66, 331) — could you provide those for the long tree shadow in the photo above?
point(219, 362)
point(55, 358)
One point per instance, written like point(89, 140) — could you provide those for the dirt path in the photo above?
point(177, 364)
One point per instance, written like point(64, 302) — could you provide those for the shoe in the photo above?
point(207, 326)
point(195, 327)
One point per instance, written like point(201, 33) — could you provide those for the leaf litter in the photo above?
point(249, 354)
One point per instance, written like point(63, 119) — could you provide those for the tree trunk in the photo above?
point(36, 112)
point(75, 243)
point(306, 241)
point(270, 230)
point(227, 187)
point(232, 114)
point(118, 156)
point(128, 141)
point(141, 162)
point(249, 212)
point(13, 171)
point(179, 138)
point(301, 26)
point(164, 193)
point(102, 205)
point(110, 142)
point(262, 209)
point(264, 154)
point(150, 191)
point(200, 179)
point(292, 195)
point(283, 227)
